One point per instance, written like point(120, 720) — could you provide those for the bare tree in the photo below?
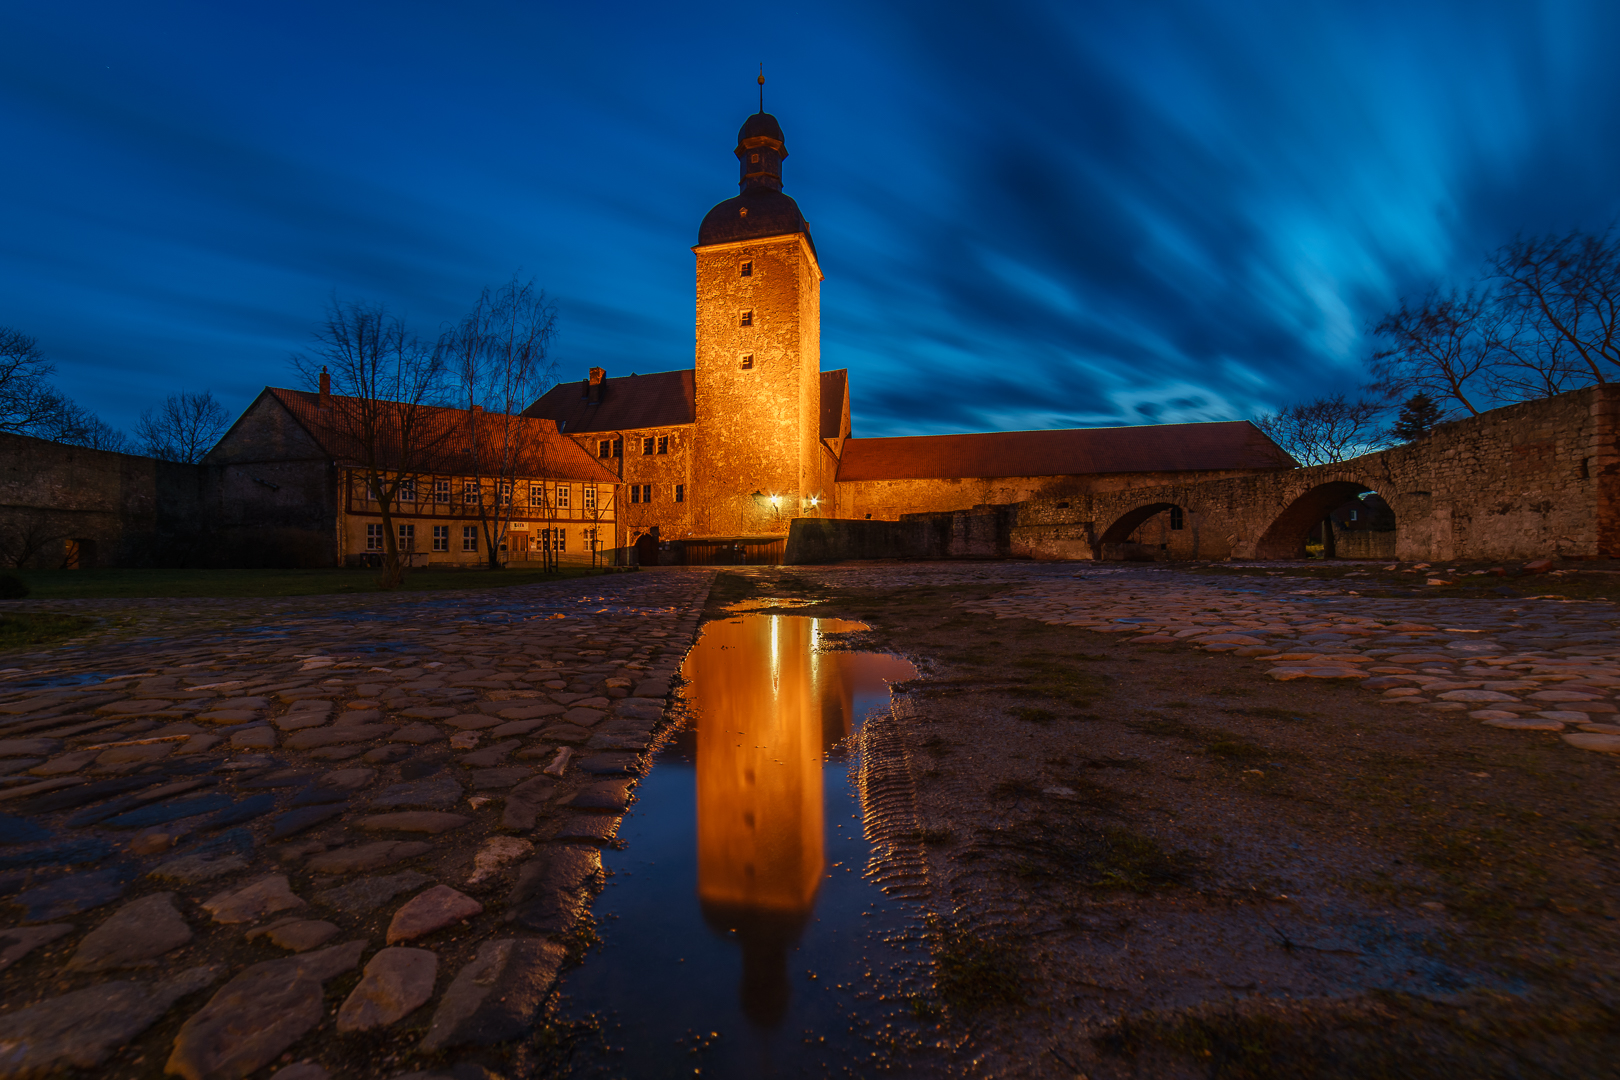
point(30, 405)
point(1439, 347)
point(1327, 429)
point(184, 428)
point(385, 389)
point(499, 358)
point(26, 397)
point(1565, 294)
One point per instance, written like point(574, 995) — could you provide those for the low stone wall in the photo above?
point(983, 532)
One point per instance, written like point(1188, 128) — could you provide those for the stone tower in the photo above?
point(758, 350)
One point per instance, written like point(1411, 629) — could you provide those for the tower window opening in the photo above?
point(748, 318)
point(748, 269)
point(1176, 520)
point(753, 159)
point(747, 361)
point(680, 493)
point(742, 211)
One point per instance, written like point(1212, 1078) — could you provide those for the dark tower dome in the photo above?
point(761, 209)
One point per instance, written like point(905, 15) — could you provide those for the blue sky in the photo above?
point(1029, 215)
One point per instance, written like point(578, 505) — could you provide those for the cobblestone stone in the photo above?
point(281, 746)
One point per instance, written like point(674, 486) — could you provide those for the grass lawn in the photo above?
point(99, 584)
point(22, 630)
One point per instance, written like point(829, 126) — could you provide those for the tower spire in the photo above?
point(761, 87)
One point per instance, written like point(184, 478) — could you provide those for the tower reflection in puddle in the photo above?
point(769, 706)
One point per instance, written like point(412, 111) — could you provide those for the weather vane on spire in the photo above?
point(761, 87)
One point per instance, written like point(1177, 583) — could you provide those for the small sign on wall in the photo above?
point(520, 526)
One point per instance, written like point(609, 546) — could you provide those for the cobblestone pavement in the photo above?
point(1521, 664)
point(354, 830)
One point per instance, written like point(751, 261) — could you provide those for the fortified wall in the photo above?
point(1539, 478)
point(70, 505)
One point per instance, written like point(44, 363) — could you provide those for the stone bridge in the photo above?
point(1524, 481)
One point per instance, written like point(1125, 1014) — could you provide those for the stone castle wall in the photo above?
point(1528, 480)
point(758, 427)
point(119, 509)
point(890, 500)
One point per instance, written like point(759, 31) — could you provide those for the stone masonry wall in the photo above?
point(663, 471)
point(757, 428)
point(888, 500)
point(1523, 481)
point(122, 509)
point(982, 532)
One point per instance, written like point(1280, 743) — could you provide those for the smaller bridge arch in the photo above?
point(1290, 530)
point(1175, 537)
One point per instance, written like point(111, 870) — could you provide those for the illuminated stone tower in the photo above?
point(758, 350)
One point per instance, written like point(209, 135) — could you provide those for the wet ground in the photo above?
point(741, 935)
point(1124, 821)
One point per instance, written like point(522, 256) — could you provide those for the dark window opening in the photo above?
point(663, 444)
point(747, 361)
point(1062, 506)
point(680, 493)
point(647, 445)
point(618, 448)
point(748, 269)
point(1586, 468)
point(646, 493)
point(748, 318)
point(635, 493)
point(1176, 520)
point(604, 448)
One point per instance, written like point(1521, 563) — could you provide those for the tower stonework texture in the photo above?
point(758, 351)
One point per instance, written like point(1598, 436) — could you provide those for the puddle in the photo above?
point(740, 937)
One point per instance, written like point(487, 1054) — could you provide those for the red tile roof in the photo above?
point(545, 452)
point(1235, 444)
point(659, 399)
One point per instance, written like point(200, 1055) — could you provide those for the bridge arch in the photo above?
point(1175, 538)
point(1309, 511)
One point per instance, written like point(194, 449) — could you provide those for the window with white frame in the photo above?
point(441, 538)
point(374, 537)
point(506, 493)
point(562, 496)
point(590, 496)
point(560, 541)
point(441, 491)
point(590, 539)
point(469, 538)
point(406, 491)
point(469, 492)
point(407, 537)
point(537, 494)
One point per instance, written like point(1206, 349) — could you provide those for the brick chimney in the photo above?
point(595, 385)
point(326, 389)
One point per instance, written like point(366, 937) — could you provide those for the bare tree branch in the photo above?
point(1439, 347)
point(184, 428)
point(1327, 429)
point(385, 388)
point(499, 357)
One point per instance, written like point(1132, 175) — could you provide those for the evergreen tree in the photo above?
point(1418, 416)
